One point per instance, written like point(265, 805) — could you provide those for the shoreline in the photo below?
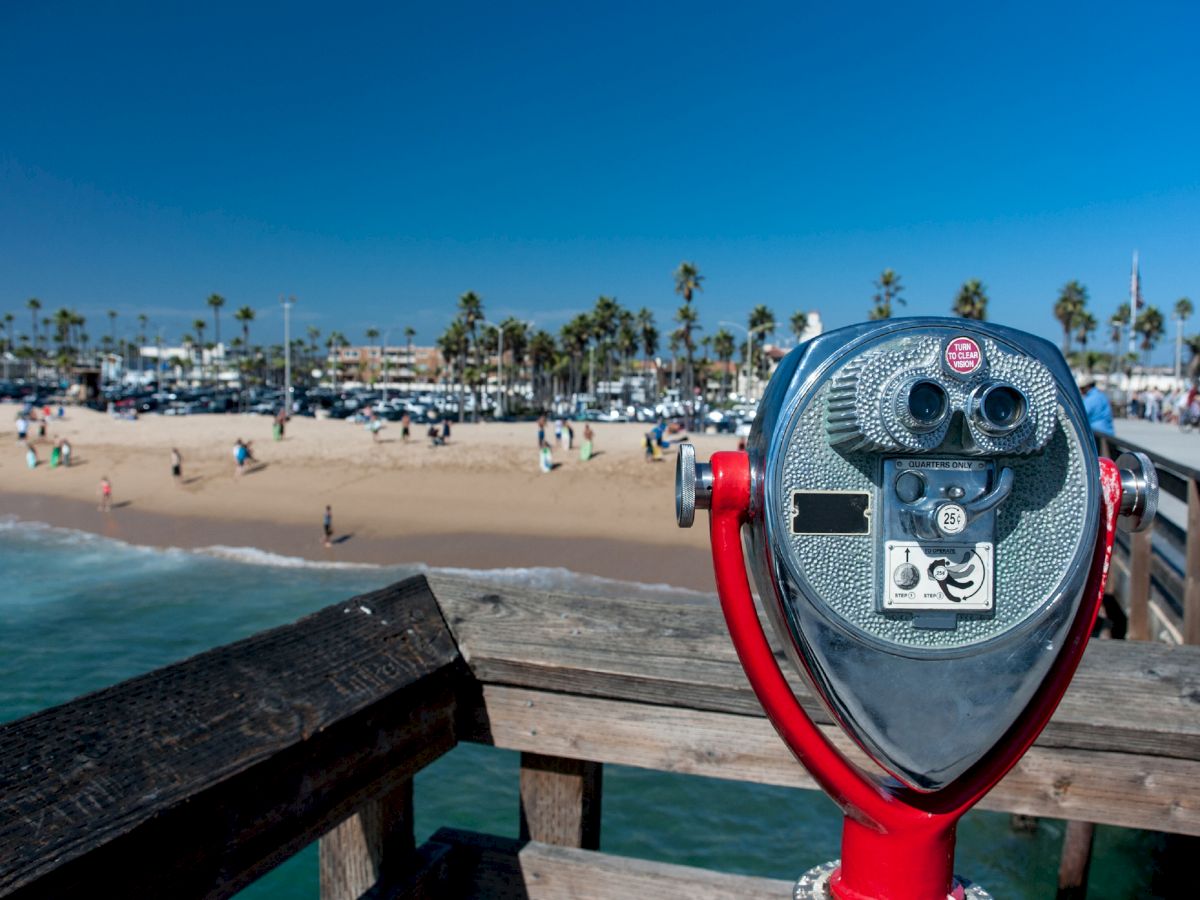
point(677, 566)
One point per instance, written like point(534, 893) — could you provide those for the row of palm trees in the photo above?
point(597, 352)
point(1079, 325)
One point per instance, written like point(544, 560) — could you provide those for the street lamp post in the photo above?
point(287, 353)
point(386, 332)
point(749, 333)
point(499, 365)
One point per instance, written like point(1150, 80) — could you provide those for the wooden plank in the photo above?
point(196, 778)
point(673, 651)
point(1126, 696)
point(1139, 586)
point(1075, 861)
point(493, 868)
point(560, 800)
point(367, 847)
point(1191, 590)
point(1104, 787)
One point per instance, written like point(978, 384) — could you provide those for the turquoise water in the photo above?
point(80, 612)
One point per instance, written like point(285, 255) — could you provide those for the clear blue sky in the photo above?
point(377, 161)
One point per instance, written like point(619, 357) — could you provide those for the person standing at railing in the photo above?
point(1097, 407)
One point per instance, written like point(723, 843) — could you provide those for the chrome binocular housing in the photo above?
point(925, 501)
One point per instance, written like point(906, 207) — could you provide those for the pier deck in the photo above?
point(197, 778)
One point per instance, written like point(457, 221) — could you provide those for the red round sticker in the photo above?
point(963, 355)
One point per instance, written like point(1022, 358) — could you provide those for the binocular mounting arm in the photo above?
point(892, 835)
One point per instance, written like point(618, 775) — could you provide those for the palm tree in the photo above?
point(723, 345)
point(971, 301)
point(372, 334)
point(1085, 327)
point(687, 281)
point(409, 334)
point(542, 356)
point(245, 315)
point(453, 344)
point(648, 338)
point(34, 305)
point(627, 346)
point(799, 324)
point(576, 336)
point(198, 326)
point(688, 321)
point(1150, 326)
point(470, 310)
point(1072, 300)
point(1183, 312)
point(1116, 333)
point(216, 301)
point(762, 320)
point(887, 292)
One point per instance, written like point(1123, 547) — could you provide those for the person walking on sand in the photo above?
point(541, 424)
point(446, 430)
point(22, 427)
point(176, 466)
point(327, 526)
point(31, 459)
point(66, 453)
point(240, 453)
point(105, 495)
point(585, 450)
point(405, 424)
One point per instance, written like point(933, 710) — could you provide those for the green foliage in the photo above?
point(887, 293)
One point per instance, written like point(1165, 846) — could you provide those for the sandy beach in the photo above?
point(478, 502)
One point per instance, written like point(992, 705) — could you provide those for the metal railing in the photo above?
point(1156, 573)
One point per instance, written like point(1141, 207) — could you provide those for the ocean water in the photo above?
point(80, 612)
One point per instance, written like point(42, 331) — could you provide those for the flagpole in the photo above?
point(1135, 301)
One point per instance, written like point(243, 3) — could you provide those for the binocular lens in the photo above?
point(1002, 408)
point(926, 403)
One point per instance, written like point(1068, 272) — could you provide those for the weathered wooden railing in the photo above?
point(195, 779)
point(1157, 571)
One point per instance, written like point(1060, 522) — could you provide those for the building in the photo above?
point(375, 364)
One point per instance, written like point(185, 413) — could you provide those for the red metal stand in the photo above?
point(897, 843)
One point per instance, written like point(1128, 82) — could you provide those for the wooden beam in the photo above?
point(560, 800)
point(368, 847)
point(1191, 589)
point(195, 779)
point(491, 867)
point(1075, 861)
point(1110, 788)
point(1126, 696)
point(1139, 585)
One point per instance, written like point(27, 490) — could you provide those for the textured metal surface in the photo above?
point(865, 412)
point(926, 702)
point(814, 885)
point(1034, 549)
point(685, 486)
point(1139, 491)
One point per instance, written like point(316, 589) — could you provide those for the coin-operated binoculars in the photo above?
point(929, 528)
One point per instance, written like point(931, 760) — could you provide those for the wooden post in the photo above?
point(1076, 857)
point(1139, 585)
point(369, 846)
point(560, 801)
point(1191, 584)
